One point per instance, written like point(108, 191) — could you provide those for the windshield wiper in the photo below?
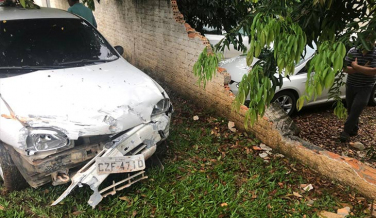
point(85, 61)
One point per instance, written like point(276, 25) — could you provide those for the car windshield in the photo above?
point(51, 43)
point(308, 53)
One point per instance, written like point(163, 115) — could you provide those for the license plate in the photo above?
point(124, 164)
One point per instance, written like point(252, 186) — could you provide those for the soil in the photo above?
point(321, 127)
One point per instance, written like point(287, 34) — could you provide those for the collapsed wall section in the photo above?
point(158, 41)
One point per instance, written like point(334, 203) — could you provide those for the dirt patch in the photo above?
point(321, 127)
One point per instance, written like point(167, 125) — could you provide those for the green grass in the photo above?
point(209, 172)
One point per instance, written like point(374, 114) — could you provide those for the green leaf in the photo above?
point(23, 3)
point(338, 63)
point(257, 49)
point(329, 79)
point(341, 50)
point(250, 57)
point(300, 103)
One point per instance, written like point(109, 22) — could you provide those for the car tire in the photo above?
point(286, 100)
point(372, 99)
point(9, 173)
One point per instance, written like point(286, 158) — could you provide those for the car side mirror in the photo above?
point(119, 49)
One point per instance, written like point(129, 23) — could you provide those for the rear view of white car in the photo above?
point(72, 109)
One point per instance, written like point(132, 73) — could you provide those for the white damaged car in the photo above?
point(72, 109)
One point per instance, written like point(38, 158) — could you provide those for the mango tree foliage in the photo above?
point(216, 14)
point(279, 30)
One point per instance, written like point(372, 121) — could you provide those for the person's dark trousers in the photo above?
point(356, 99)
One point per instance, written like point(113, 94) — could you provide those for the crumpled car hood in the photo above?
point(91, 100)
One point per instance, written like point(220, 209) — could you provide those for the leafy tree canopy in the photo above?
point(289, 25)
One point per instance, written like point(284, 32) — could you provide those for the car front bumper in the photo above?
point(141, 139)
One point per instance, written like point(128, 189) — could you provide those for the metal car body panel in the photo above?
point(81, 101)
point(12, 13)
point(237, 67)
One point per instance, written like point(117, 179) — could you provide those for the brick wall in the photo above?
point(158, 41)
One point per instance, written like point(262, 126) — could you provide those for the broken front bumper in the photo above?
point(141, 139)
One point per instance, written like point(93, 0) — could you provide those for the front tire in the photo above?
point(9, 173)
point(286, 100)
point(372, 99)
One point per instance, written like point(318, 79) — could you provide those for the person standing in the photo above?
point(361, 79)
point(79, 9)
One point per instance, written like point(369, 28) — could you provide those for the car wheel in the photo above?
point(372, 99)
point(287, 101)
point(9, 173)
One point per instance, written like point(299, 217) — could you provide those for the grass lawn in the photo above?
point(209, 172)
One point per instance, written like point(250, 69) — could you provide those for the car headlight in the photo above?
point(161, 107)
point(46, 139)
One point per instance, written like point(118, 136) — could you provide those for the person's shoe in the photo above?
point(344, 136)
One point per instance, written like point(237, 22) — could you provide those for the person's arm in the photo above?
point(363, 69)
point(349, 70)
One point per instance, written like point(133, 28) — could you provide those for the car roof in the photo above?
point(19, 13)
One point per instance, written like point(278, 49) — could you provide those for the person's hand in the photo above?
point(354, 64)
point(349, 70)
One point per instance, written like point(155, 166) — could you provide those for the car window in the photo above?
point(51, 42)
point(211, 30)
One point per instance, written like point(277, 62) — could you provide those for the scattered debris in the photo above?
point(344, 211)
point(296, 194)
point(372, 210)
point(310, 202)
point(231, 126)
point(125, 198)
point(326, 214)
point(357, 145)
point(224, 205)
point(321, 127)
point(256, 148)
point(279, 155)
point(265, 147)
point(76, 213)
point(196, 118)
point(361, 154)
point(307, 188)
point(263, 155)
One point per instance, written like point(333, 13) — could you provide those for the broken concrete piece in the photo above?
point(308, 188)
point(263, 155)
point(357, 145)
point(231, 126)
point(265, 147)
point(280, 155)
point(344, 211)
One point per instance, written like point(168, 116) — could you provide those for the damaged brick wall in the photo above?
point(158, 41)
